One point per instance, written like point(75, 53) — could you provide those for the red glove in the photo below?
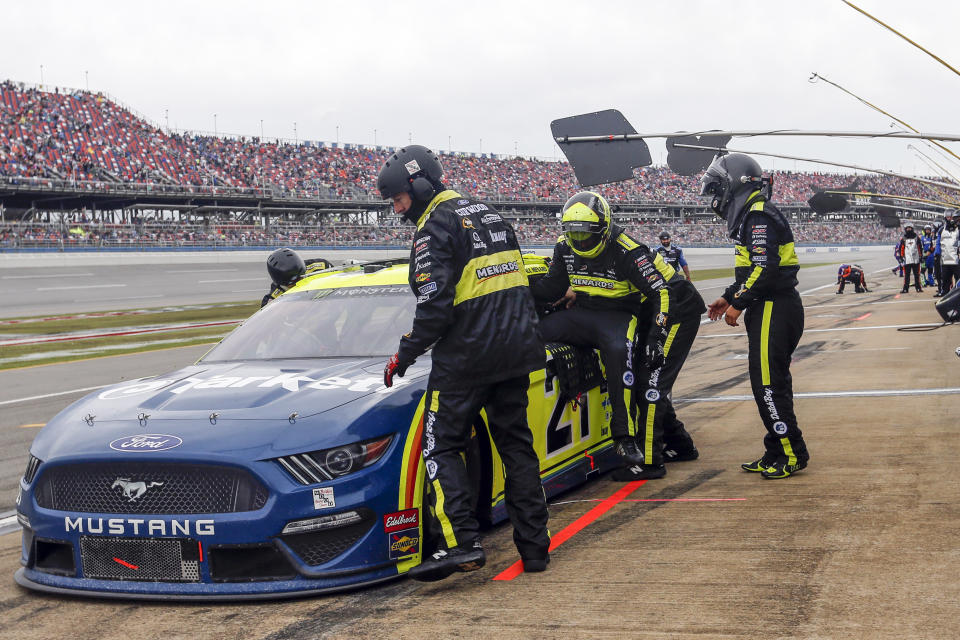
point(394, 366)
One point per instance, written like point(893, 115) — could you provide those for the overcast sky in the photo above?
point(491, 76)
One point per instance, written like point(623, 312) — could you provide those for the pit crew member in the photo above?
point(624, 291)
point(475, 310)
point(765, 286)
point(852, 273)
point(286, 268)
point(672, 254)
point(910, 250)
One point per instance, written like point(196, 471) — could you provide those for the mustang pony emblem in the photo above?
point(133, 490)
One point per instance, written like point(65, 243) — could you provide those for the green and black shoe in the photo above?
point(779, 470)
point(757, 466)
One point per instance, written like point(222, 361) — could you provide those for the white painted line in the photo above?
point(51, 395)
point(814, 307)
point(201, 269)
point(85, 286)
point(233, 280)
point(9, 525)
point(245, 290)
point(48, 275)
point(806, 331)
point(873, 393)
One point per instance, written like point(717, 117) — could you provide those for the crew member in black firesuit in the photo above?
point(286, 268)
point(765, 287)
point(475, 309)
point(852, 273)
point(672, 254)
point(623, 290)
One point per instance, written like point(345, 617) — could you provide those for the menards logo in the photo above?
point(483, 273)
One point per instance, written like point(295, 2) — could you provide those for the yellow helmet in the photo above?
point(586, 224)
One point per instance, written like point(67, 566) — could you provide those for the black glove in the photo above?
point(656, 342)
point(394, 366)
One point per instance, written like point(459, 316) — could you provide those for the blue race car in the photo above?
point(278, 464)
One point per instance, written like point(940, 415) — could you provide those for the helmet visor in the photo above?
point(583, 235)
point(710, 185)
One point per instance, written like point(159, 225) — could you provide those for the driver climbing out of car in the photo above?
point(475, 309)
point(286, 268)
point(622, 292)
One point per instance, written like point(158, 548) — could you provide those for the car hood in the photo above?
point(278, 405)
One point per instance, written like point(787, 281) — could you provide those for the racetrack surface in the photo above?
point(862, 544)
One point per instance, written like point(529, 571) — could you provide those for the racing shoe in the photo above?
point(626, 447)
point(446, 562)
point(672, 454)
point(779, 470)
point(639, 472)
point(536, 565)
point(757, 466)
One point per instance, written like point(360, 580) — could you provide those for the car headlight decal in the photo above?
point(315, 467)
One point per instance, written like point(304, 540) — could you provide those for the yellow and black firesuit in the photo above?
point(475, 310)
point(765, 288)
point(626, 295)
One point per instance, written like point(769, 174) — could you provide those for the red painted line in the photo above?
point(677, 500)
point(113, 334)
point(864, 316)
point(200, 546)
point(896, 297)
point(126, 564)
point(577, 525)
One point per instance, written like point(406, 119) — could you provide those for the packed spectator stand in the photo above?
point(83, 138)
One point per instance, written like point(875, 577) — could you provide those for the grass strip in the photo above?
point(159, 316)
point(89, 347)
point(210, 340)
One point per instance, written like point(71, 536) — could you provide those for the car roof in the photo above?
point(355, 276)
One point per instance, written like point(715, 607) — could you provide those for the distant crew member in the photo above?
point(949, 242)
point(852, 273)
point(910, 251)
point(672, 254)
point(929, 243)
point(765, 286)
point(287, 268)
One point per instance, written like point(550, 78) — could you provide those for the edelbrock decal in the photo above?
point(146, 442)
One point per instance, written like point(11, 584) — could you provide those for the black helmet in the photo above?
point(415, 170)
point(586, 222)
point(285, 267)
point(726, 177)
point(664, 235)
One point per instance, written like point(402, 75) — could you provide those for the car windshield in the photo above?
point(325, 323)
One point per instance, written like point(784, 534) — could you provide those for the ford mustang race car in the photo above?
point(278, 464)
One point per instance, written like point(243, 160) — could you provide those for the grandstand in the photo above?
point(80, 169)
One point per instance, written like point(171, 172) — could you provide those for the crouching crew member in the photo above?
point(765, 287)
point(624, 294)
point(475, 309)
point(852, 273)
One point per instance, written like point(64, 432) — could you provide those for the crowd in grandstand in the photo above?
point(82, 136)
point(531, 232)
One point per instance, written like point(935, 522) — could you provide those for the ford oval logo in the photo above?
point(146, 442)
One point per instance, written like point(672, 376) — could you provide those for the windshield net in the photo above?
point(328, 323)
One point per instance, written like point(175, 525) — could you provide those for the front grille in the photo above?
point(318, 547)
point(148, 488)
point(32, 465)
point(249, 563)
point(140, 559)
